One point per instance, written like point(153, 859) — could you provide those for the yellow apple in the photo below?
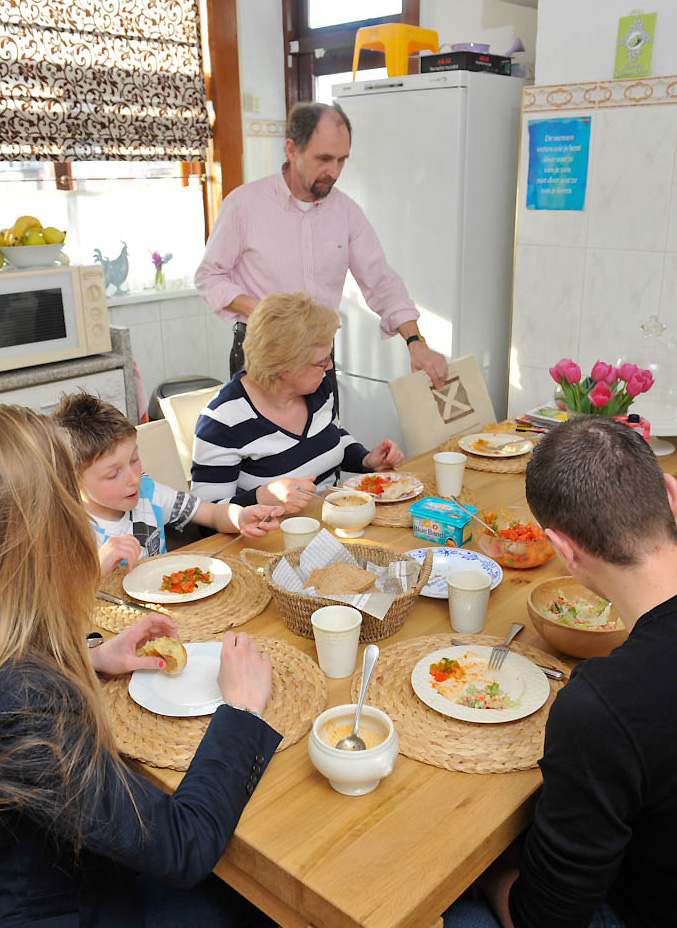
point(53, 236)
point(33, 238)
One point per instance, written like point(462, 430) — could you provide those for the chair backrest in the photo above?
point(159, 454)
point(428, 416)
point(181, 411)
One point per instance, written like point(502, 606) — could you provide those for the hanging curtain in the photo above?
point(87, 80)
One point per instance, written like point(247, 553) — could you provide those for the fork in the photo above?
point(500, 651)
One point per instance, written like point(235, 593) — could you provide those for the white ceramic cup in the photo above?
point(337, 634)
point(299, 531)
point(449, 467)
point(469, 589)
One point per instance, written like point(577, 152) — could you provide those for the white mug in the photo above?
point(449, 468)
point(299, 531)
point(469, 589)
point(337, 634)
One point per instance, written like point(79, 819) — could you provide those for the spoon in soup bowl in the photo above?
point(353, 742)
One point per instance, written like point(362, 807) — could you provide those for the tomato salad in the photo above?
point(185, 581)
point(517, 543)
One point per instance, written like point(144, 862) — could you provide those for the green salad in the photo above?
point(581, 613)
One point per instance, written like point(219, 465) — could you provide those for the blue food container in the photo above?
point(441, 521)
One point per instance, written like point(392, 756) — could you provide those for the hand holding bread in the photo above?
point(121, 653)
point(245, 675)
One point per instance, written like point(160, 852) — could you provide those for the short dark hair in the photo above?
point(94, 428)
point(597, 481)
point(304, 117)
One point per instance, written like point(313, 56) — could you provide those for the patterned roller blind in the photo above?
point(84, 80)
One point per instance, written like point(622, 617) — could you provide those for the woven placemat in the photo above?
point(201, 620)
point(440, 741)
point(298, 696)
point(516, 465)
point(397, 515)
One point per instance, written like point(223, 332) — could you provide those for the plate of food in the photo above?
point(386, 487)
point(495, 444)
point(456, 681)
point(444, 558)
point(178, 578)
point(191, 691)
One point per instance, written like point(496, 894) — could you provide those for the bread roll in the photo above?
point(169, 649)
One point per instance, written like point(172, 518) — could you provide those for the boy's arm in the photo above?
point(229, 518)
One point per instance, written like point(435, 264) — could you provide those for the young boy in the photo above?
point(127, 508)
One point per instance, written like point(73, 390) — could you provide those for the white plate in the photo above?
point(145, 580)
point(518, 678)
point(495, 438)
point(443, 558)
point(194, 691)
point(353, 483)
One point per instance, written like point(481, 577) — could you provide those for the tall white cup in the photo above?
point(299, 531)
point(337, 634)
point(449, 468)
point(469, 589)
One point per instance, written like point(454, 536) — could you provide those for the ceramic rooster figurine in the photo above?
point(115, 270)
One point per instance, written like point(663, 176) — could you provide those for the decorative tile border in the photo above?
point(600, 94)
point(265, 128)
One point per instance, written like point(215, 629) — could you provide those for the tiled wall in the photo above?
point(585, 281)
point(173, 334)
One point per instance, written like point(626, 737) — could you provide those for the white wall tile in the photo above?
point(134, 313)
point(148, 354)
point(182, 308)
point(668, 299)
point(546, 303)
point(629, 186)
point(622, 289)
point(185, 346)
point(219, 343)
point(529, 387)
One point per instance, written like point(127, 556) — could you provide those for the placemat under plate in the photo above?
point(201, 620)
point(441, 741)
point(516, 465)
point(397, 515)
point(298, 695)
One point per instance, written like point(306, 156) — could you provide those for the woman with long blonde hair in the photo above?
point(83, 840)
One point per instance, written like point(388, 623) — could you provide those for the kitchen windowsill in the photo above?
point(149, 296)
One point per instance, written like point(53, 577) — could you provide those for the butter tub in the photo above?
point(441, 521)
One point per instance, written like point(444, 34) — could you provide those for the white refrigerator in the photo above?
point(433, 164)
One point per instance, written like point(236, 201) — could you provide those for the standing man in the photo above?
point(293, 231)
point(601, 850)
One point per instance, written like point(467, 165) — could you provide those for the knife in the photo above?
point(548, 671)
point(121, 602)
point(237, 538)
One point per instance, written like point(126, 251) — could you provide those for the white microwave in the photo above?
point(52, 314)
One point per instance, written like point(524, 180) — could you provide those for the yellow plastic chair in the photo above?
point(181, 411)
point(398, 41)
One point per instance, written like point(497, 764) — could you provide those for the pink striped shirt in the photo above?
point(263, 242)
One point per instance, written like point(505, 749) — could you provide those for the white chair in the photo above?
point(428, 416)
point(159, 454)
point(181, 412)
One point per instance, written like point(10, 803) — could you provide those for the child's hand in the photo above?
point(245, 676)
point(250, 521)
point(117, 549)
point(118, 654)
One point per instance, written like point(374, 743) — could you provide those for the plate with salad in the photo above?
point(456, 681)
point(177, 578)
point(387, 486)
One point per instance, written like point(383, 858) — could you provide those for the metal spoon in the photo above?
point(475, 517)
point(317, 495)
point(353, 742)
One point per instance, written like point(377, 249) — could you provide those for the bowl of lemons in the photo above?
point(29, 244)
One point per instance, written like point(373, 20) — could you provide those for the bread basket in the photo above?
point(296, 608)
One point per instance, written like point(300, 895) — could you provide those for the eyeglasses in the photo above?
point(323, 364)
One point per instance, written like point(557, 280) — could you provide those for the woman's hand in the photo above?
point(250, 520)
point(117, 549)
point(118, 654)
point(384, 456)
point(245, 675)
point(287, 491)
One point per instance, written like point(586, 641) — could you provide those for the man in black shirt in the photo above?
point(601, 850)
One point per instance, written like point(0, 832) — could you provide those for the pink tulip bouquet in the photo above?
point(608, 391)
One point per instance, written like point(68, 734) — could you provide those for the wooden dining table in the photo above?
point(397, 857)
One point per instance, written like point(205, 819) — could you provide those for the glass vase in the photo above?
point(159, 279)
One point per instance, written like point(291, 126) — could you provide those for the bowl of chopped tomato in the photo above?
point(520, 541)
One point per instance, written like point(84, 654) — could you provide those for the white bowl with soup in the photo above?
point(348, 512)
point(353, 773)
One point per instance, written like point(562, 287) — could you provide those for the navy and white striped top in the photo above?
point(237, 449)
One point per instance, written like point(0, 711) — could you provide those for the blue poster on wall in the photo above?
point(558, 163)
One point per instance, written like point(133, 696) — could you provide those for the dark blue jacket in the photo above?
point(44, 883)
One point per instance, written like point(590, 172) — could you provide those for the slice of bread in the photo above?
point(339, 579)
point(169, 649)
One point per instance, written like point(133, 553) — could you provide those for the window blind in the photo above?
point(87, 80)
